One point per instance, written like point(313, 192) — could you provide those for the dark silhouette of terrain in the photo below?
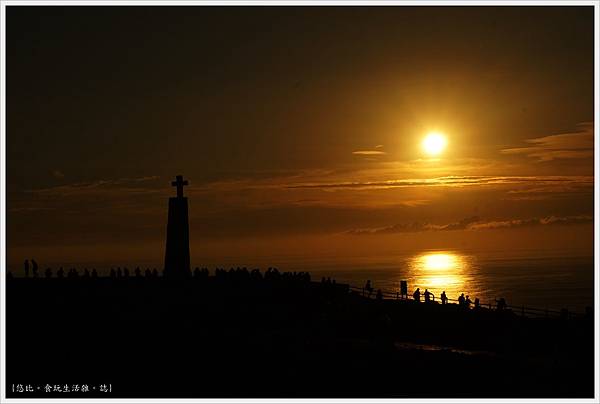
point(245, 333)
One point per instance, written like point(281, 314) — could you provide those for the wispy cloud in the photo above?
point(120, 185)
point(544, 221)
point(118, 195)
point(451, 181)
point(579, 144)
point(374, 152)
point(474, 223)
point(417, 227)
point(368, 152)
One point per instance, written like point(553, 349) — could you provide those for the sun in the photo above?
point(434, 143)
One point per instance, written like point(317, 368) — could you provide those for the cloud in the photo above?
point(579, 144)
point(369, 152)
point(411, 203)
point(119, 185)
point(455, 181)
point(133, 196)
point(544, 221)
point(375, 152)
point(475, 223)
point(417, 227)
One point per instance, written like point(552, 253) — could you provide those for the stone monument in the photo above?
point(177, 253)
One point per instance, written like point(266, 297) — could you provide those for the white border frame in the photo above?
point(4, 3)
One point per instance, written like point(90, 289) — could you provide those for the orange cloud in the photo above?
point(369, 152)
point(575, 145)
point(475, 223)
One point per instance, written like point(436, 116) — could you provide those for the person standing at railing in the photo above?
point(500, 304)
point(427, 296)
point(468, 302)
point(443, 297)
point(369, 288)
point(34, 268)
point(379, 295)
point(476, 303)
point(461, 299)
point(417, 295)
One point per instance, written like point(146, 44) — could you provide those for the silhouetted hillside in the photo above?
point(281, 337)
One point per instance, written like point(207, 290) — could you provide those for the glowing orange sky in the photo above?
point(300, 130)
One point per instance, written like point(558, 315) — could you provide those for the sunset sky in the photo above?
point(299, 129)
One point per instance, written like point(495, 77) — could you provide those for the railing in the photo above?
point(523, 310)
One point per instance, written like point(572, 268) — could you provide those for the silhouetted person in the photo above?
point(26, 267)
point(417, 295)
point(60, 273)
point(461, 299)
point(94, 273)
point(379, 295)
point(86, 273)
point(113, 273)
point(34, 268)
point(369, 288)
point(500, 304)
point(476, 303)
point(48, 273)
point(154, 273)
point(138, 272)
point(468, 302)
point(443, 297)
point(427, 295)
point(197, 273)
point(119, 272)
point(147, 273)
point(125, 272)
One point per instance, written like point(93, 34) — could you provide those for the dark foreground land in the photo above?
point(256, 338)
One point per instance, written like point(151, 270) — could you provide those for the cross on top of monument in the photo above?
point(179, 183)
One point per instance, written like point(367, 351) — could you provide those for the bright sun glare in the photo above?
point(439, 261)
point(434, 143)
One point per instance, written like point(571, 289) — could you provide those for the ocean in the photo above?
point(552, 282)
point(539, 279)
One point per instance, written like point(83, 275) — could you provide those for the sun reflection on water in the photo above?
point(440, 271)
point(438, 261)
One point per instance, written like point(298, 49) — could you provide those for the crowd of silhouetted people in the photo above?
point(463, 301)
point(244, 274)
point(31, 269)
point(220, 274)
